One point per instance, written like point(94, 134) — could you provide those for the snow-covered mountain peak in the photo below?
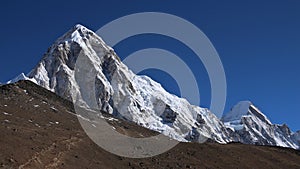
point(239, 110)
point(140, 99)
point(243, 109)
point(80, 34)
point(79, 26)
point(250, 125)
point(118, 90)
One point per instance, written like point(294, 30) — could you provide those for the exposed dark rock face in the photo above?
point(168, 116)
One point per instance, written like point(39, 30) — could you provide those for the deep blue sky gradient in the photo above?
point(258, 43)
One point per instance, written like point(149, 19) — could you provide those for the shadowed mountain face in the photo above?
point(40, 130)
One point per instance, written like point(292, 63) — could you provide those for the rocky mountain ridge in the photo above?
point(79, 66)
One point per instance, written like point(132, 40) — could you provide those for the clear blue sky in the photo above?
point(258, 43)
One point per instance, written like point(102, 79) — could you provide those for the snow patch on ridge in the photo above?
point(22, 76)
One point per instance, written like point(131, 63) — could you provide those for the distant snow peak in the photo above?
point(249, 125)
point(239, 110)
point(242, 109)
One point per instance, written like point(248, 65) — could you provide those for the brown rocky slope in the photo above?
point(38, 129)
